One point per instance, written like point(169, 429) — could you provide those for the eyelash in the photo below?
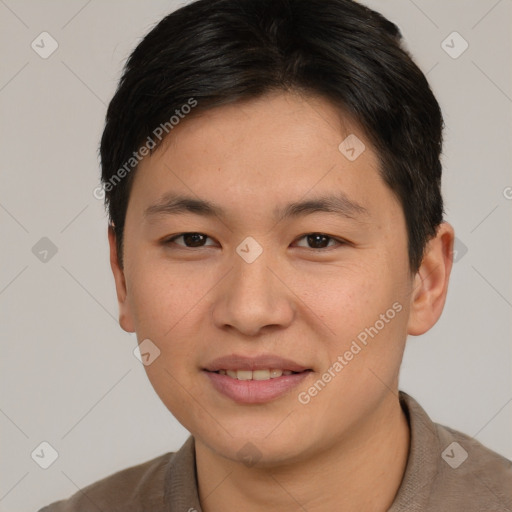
point(338, 241)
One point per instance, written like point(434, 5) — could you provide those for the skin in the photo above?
point(302, 303)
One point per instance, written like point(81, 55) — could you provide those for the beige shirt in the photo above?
point(446, 471)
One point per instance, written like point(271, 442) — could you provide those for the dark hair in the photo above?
point(215, 52)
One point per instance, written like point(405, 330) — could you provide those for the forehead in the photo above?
point(263, 151)
point(284, 124)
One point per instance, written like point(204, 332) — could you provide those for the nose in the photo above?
point(253, 298)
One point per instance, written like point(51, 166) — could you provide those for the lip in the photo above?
point(254, 391)
point(262, 362)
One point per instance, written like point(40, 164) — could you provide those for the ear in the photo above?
point(125, 316)
point(430, 284)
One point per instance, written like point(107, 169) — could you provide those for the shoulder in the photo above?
point(449, 470)
point(124, 491)
point(470, 471)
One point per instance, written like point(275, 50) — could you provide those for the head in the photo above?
point(297, 146)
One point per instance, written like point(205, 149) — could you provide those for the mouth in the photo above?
point(263, 374)
point(255, 380)
point(264, 362)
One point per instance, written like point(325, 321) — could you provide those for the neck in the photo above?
point(361, 471)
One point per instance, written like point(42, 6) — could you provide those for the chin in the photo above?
point(261, 452)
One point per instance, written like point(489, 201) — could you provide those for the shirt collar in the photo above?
point(181, 490)
point(422, 461)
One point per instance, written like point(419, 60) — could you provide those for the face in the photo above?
point(253, 243)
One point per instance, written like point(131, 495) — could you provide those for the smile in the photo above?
point(256, 374)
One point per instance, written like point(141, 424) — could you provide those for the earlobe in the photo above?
point(125, 317)
point(430, 284)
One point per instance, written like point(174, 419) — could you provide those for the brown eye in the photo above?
point(190, 240)
point(318, 241)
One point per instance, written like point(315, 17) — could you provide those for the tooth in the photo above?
point(256, 374)
point(261, 374)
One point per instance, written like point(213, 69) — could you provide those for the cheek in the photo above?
point(345, 298)
point(165, 306)
point(151, 301)
point(161, 296)
point(169, 306)
point(363, 305)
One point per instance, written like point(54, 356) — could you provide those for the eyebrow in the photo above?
point(340, 204)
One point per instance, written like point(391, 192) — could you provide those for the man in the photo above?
point(272, 176)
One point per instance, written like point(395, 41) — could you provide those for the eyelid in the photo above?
point(173, 238)
point(339, 241)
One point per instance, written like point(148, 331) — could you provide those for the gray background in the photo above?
point(68, 373)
